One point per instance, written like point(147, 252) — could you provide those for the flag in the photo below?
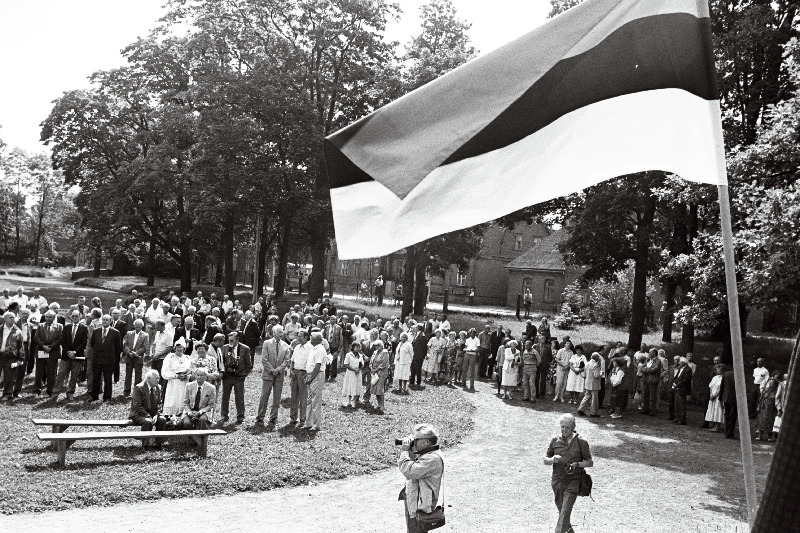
point(608, 88)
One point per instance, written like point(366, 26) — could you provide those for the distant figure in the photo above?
point(380, 287)
point(527, 300)
point(472, 296)
point(727, 394)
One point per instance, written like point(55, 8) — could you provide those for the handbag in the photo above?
point(374, 380)
point(435, 519)
point(585, 488)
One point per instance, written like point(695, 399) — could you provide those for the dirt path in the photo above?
point(650, 476)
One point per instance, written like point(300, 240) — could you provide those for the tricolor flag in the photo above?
point(608, 88)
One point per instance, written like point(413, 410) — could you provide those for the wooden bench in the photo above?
point(61, 425)
point(63, 441)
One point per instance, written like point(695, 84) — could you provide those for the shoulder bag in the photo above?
point(435, 519)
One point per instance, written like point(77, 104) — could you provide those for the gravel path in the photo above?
point(650, 476)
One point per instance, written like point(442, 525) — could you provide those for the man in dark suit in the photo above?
point(106, 344)
point(497, 338)
point(80, 306)
point(73, 346)
point(238, 365)
point(727, 395)
point(188, 333)
point(122, 327)
point(135, 346)
point(420, 347)
point(212, 328)
point(682, 385)
point(251, 333)
point(333, 334)
point(48, 340)
point(146, 406)
point(175, 307)
point(530, 331)
point(546, 353)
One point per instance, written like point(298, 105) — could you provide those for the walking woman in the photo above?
point(619, 389)
point(510, 369)
point(351, 386)
point(576, 376)
point(402, 363)
point(569, 454)
point(380, 371)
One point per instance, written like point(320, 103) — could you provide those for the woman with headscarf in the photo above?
point(380, 370)
point(175, 370)
point(402, 363)
point(510, 368)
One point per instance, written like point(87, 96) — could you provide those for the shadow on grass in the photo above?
point(123, 455)
point(298, 433)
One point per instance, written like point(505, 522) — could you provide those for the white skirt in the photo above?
point(173, 398)
point(402, 371)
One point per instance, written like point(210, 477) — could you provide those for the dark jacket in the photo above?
point(420, 346)
point(496, 339)
point(683, 381)
point(239, 366)
point(78, 345)
point(106, 350)
point(727, 390)
point(251, 334)
point(191, 337)
point(546, 353)
point(140, 402)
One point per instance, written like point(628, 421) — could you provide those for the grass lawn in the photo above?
point(247, 459)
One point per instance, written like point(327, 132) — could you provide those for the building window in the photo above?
point(549, 290)
point(461, 279)
point(527, 284)
point(344, 268)
point(518, 241)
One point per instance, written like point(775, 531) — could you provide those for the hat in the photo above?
point(181, 342)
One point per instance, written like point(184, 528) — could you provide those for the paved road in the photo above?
point(494, 482)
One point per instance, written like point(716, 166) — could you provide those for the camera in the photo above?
point(398, 442)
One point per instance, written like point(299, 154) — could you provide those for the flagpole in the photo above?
point(738, 359)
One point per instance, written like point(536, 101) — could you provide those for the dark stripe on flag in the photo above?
point(658, 52)
point(340, 170)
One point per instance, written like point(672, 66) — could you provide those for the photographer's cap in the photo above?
point(426, 431)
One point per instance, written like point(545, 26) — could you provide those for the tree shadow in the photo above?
point(299, 434)
point(123, 455)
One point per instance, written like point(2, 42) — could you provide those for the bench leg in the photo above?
point(61, 449)
point(202, 449)
point(58, 429)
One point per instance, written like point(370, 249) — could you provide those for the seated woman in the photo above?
point(175, 371)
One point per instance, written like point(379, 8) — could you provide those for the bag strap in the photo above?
point(419, 498)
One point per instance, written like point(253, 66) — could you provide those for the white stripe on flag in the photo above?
point(669, 129)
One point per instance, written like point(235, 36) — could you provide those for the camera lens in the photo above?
point(398, 442)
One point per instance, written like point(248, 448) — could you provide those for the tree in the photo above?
point(559, 6)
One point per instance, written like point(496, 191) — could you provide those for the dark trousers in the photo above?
point(103, 374)
point(752, 400)
point(565, 501)
point(147, 425)
point(680, 406)
point(416, 372)
point(332, 369)
point(156, 364)
point(650, 397)
point(602, 394)
point(30, 362)
point(133, 373)
point(9, 377)
point(235, 384)
point(671, 401)
point(731, 413)
point(483, 361)
point(116, 368)
point(46, 370)
point(18, 383)
point(541, 380)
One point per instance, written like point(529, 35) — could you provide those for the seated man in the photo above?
point(198, 404)
point(146, 406)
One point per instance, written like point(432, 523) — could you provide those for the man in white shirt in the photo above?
point(20, 298)
point(5, 299)
point(315, 380)
point(227, 304)
point(471, 346)
point(152, 314)
point(299, 399)
point(291, 328)
point(760, 378)
point(445, 324)
point(160, 347)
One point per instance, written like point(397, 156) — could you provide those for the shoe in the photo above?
point(239, 420)
point(223, 420)
point(313, 428)
point(581, 413)
point(70, 397)
point(158, 446)
point(259, 423)
point(616, 416)
point(595, 416)
point(306, 427)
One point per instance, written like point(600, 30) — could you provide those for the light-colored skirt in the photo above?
point(575, 381)
point(714, 412)
point(351, 386)
point(173, 398)
point(402, 371)
point(431, 365)
point(510, 377)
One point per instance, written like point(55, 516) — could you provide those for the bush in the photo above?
point(612, 300)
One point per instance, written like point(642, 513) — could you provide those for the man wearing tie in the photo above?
point(48, 339)
point(122, 327)
point(73, 357)
point(135, 347)
point(251, 333)
point(198, 404)
point(238, 365)
point(546, 354)
point(333, 334)
point(275, 354)
point(146, 406)
point(106, 344)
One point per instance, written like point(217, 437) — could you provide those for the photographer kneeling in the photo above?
point(422, 465)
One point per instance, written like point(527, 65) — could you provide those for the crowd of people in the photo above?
point(202, 349)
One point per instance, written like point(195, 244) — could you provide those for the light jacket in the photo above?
point(423, 475)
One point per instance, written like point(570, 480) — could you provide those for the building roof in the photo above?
point(542, 256)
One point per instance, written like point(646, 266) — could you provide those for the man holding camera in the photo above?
point(422, 465)
point(569, 454)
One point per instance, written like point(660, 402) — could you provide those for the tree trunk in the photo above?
point(98, 258)
point(262, 256)
point(408, 282)
point(186, 265)
point(39, 228)
point(420, 288)
point(641, 263)
point(687, 331)
point(279, 283)
point(315, 284)
point(669, 306)
point(199, 268)
point(151, 260)
point(220, 266)
point(227, 247)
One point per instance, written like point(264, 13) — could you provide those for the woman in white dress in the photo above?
point(351, 386)
point(511, 362)
point(576, 377)
point(402, 363)
point(714, 412)
point(176, 371)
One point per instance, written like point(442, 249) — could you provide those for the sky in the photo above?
point(48, 47)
